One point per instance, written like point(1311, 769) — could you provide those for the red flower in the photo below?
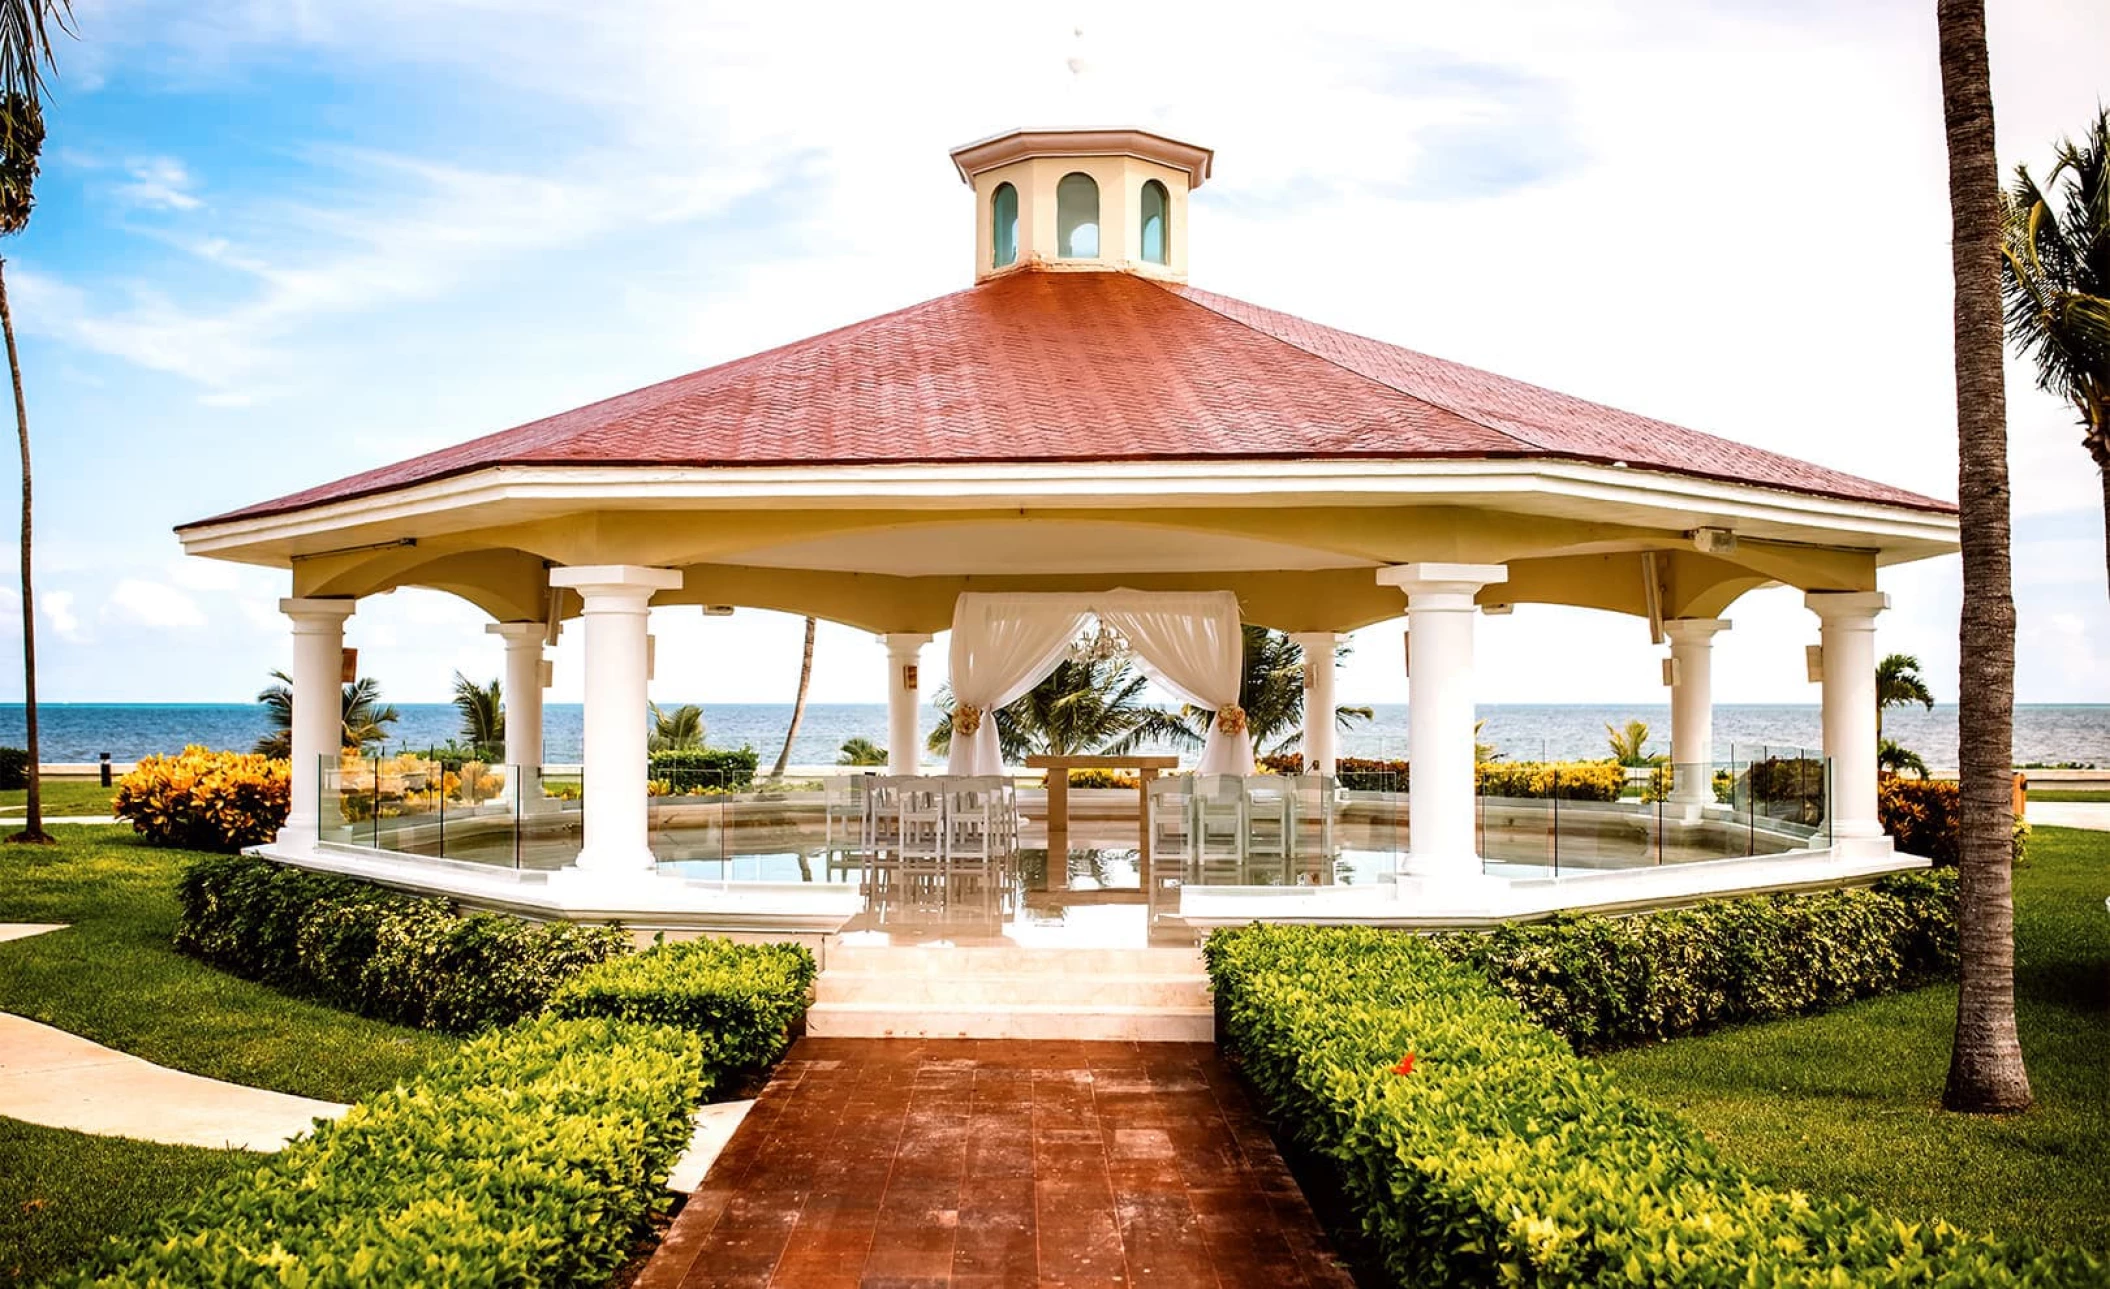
point(1406, 1064)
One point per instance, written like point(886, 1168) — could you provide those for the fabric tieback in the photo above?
point(968, 718)
point(1230, 718)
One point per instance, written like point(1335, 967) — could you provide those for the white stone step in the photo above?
point(1186, 989)
point(1101, 1022)
point(945, 960)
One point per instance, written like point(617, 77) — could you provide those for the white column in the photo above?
point(617, 600)
point(904, 736)
point(1692, 711)
point(1848, 640)
point(318, 708)
point(1321, 739)
point(523, 699)
point(1440, 614)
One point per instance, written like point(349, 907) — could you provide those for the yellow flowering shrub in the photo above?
point(205, 800)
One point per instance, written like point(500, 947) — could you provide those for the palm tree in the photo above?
point(1271, 692)
point(1893, 757)
point(1088, 704)
point(25, 55)
point(798, 706)
point(483, 714)
point(1986, 1072)
point(1898, 683)
point(859, 750)
point(364, 716)
point(1630, 745)
point(2055, 261)
point(680, 730)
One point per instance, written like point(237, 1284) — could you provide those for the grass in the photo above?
point(112, 976)
point(1848, 1102)
point(2069, 794)
point(61, 797)
point(63, 1193)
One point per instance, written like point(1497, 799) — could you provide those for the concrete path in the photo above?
point(2092, 815)
point(51, 1077)
point(24, 930)
point(60, 1080)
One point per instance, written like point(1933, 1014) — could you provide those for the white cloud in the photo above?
point(159, 183)
point(152, 604)
point(58, 610)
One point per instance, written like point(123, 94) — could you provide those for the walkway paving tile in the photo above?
point(875, 1162)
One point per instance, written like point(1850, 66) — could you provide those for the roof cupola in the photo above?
point(1082, 200)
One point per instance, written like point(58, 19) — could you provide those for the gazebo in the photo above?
point(1082, 421)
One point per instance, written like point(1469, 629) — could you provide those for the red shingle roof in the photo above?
point(1042, 366)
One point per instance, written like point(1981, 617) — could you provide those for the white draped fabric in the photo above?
point(1002, 645)
point(1188, 642)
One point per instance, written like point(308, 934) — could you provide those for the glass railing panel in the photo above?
point(338, 809)
point(551, 819)
point(479, 814)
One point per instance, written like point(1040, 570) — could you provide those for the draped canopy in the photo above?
point(1187, 641)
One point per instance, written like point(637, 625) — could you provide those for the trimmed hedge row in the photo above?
point(409, 958)
point(1569, 780)
point(742, 999)
point(705, 769)
point(1604, 982)
point(531, 1157)
point(1497, 1156)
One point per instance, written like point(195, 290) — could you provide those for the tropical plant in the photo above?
point(483, 712)
point(366, 718)
point(1091, 702)
point(25, 55)
point(1893, 757)
point(1483, 752)
point(1271, 693)
point(1630, 745)
point(859, 750)
point(1899, 684)
point(2055, 260)
point(1986, 1071)
point(798, 706)
point(680, 730)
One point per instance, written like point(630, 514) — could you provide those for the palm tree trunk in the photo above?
point(798, 708)
point(2102, 471)
point(33, 825)
point(1986, 1073)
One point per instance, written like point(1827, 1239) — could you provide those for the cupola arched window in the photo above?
point(1156, 223)
point(1003, 219)
point(1077, 217)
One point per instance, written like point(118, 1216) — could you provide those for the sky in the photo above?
point(280, 241)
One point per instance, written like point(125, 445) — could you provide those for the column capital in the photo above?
point(901, 644)
point(624, 588)
point(324, 610)
point(1693, 630)
point(1846, 607)
point(1450, 586)
point(1309, 640)
point(518, 635)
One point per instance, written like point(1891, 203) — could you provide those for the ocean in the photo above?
point(2044, 733)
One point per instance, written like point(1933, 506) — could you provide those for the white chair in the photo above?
point(1219, 829)
point(1267, 817)
point(919, 811)
point(1172, 828)
point(976, 835)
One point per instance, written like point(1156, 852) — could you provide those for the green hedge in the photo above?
point(14, 768)
point(744, 999)
point(531, 1157)
point(705, 769)
point(1503, 1158)
point(1568, 780)
point(1604, 982)
point(409, 958)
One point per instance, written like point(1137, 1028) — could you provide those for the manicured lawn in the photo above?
point(2069, 794)
point(60, 797)
point(62, 1193)
point(1849, 1102)
point(113, 976)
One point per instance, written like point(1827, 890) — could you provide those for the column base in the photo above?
point(610, 864)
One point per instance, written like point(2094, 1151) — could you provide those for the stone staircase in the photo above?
point(1131, 995)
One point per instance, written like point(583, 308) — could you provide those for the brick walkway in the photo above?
point(963, 1162)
